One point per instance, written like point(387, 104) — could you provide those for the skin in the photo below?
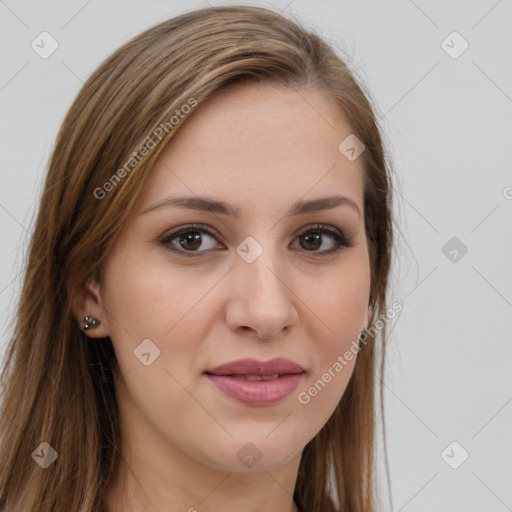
point(261, 147)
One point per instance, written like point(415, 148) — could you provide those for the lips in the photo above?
point(258, 369)
point(257, 383)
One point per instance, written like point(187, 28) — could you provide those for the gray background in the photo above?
point(448, 124)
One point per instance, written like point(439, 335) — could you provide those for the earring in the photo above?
point(90, 322)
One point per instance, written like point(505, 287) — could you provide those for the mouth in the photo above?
point(257, 383)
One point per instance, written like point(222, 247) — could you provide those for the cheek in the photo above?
point(338, 314)
point(148, 299)
point(153, 311)
point(339, 303)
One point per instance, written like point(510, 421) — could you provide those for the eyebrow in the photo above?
point(208, 204)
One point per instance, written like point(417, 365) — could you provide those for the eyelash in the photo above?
point(167, 238)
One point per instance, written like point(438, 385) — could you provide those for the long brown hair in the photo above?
point(57, 386)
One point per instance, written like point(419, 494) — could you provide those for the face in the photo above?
point(190, 286)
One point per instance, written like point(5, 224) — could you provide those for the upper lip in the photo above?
point(248, 366)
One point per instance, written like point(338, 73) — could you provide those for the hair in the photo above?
point(58, 386)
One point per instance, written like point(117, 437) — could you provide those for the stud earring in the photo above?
point(90, 322)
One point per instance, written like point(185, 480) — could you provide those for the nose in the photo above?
point(261, 299)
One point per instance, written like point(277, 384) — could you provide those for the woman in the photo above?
point(212, 246)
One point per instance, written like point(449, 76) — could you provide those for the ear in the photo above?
point(86, 301)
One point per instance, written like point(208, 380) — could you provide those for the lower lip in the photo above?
point(257, 392)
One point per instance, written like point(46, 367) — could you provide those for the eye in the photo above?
point(313, 238)
point(187, 240)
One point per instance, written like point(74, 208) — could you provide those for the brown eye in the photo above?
point(312, 240)
point(188, 240)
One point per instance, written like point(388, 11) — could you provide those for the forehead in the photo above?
point(261, 142)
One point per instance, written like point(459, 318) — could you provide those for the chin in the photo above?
point(252, 455)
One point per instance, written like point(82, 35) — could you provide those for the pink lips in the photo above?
point(256, 382)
